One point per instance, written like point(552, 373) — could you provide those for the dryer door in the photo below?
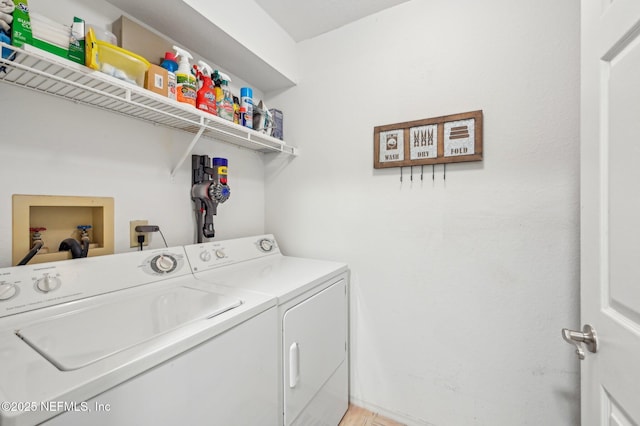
point(314, 348)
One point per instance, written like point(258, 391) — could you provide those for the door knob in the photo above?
point(587, 336)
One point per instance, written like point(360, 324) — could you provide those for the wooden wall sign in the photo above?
point(447, 139)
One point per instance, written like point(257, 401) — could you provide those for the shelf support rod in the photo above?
point(195, 139)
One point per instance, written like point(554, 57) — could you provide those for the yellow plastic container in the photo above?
point(114, 60)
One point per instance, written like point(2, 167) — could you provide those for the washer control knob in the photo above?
point(7, 291)
point(205, 256)
point(164, 263)
point(47, 284)
point(220, 254)
point(265, 244)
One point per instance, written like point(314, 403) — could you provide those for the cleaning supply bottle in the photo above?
point(224, 100)
point(246, 107)
point(185, 80)
point(169, 63)
point(236, 110)
point(206, 97)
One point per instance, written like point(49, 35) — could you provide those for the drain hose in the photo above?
point(74, 246)
point(37, 245)
point(85, 247)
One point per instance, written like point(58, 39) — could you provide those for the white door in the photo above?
point(610, 214)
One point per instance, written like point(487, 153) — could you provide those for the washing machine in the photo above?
point(312, 320)
point(132, 339)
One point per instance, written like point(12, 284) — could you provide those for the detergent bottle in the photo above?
point(224, 100)
point(169, 63)
point(185, 80)
point(206, 97)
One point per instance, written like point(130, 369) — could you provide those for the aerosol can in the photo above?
point(246, 107)
point(206, 97)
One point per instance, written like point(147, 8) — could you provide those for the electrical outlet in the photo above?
point(133, 235)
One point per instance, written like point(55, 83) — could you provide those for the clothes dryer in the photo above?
point(312, 297)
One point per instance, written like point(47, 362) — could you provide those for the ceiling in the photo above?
point(304, 19)
point(301, 19)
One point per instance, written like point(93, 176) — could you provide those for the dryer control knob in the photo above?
point(47, 284)
point(163, 263)
point(7, 291)
point(205, 256)
point(220, 254)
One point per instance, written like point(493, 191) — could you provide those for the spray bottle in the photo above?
point(185, 80)
point(224, 100)
point(206, 97)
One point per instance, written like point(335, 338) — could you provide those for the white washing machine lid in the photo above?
point(79, 338)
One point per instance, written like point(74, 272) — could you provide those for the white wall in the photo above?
point(53, 147)
point(460, 286)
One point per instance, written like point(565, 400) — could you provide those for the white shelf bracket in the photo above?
point(195, 139)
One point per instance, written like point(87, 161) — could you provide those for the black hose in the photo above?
point(73, 245)
point(85, 247)
point(37, 245)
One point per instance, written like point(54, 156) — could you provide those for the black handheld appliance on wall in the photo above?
point(209, 188)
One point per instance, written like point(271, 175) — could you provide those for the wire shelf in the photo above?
point(43, 72)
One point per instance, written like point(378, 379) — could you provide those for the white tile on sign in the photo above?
point(423, 142)
point(392, 146)
point(459, 138)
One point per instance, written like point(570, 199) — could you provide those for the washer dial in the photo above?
point(205, 256)
point(47, 284)
point(266, 245)
point(7, 291)
point(164, 263)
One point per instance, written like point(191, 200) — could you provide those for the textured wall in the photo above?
point(460, 286)
point(53, 147)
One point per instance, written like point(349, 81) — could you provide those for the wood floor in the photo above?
point(357, 416)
